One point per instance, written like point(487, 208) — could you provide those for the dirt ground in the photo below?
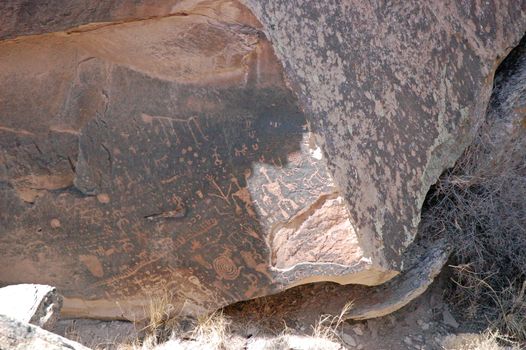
point(426, 323)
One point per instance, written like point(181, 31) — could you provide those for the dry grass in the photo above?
point(165, 330)
point(471, 341)
point(218, 332)
point(480, 205)
point(160, 324)
point(328, 326)
point(162, 318)
point(212, 331)
point(482, 208)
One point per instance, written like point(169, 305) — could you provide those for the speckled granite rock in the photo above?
point(394, 92)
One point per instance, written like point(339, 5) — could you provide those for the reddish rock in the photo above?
point(164, 154)
point(156, 146)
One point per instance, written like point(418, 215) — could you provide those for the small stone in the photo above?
point(348, 339)
point(358, 329)
point(103, 198)
point(423, 325)
point(374, 333)
point(55, 223)
point(408, 341)
point(449, 319)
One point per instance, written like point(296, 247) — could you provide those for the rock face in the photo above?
point(32, 303)
point(17, 335)
point(394, 93)
point(164, 154)
point(22, 17)
point(156, 146)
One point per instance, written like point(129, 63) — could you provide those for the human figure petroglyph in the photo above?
point(241, 151)
point(220, 194)
point(243, 194)
point(273, 189)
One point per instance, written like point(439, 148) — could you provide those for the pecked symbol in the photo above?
point(225, 268)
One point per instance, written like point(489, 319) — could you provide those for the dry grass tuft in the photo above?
point(218, 332)
point(480, 204)
point(328, 325)
point(161, 314)
point(472, 341)
point(212, 331)
point(160, 323)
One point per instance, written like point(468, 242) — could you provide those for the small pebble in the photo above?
point(349, 340)
point(55, 223)
point(358, 330)
point(449, 319)
point(423, 325)
point(103, 198)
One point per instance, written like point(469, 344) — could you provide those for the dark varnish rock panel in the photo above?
point(33, 17)
point(164, 156)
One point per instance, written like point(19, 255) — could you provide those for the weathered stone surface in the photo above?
point(504, 130)
point(423, 260)
point(382, 300)
point(17, 335)
point(23, 17)
point(156, 146)
point(164, 154)
point(32, 303)
point(394, 92)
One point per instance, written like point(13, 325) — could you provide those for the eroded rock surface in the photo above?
point(17, 335)
point(32, 303)
point(156, 146)
point(394, 92)
point(164, 155)
point(22, 17)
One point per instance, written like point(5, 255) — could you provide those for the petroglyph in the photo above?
point(171, 152)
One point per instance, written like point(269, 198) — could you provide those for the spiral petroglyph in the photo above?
point(225, 268)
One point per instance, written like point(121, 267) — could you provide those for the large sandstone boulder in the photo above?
point(155, 146)
point(394, 92)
